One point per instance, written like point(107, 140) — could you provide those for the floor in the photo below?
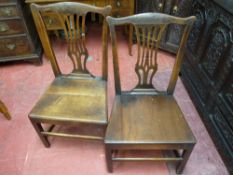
point(22, 153)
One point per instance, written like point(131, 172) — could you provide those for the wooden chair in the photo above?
point(79, 97)
point(4, 110)
point(146, 118)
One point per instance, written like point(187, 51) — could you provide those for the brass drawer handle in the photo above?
point(175, 9)
point(7, 11)
point(11, 46)
point(118, 3)
point(4, 27)
point(160, 6)
point(50, 21)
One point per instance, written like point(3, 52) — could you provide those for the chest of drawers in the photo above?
point(18, 37)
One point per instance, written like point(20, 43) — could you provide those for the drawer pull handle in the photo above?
point(50, 21)
point(4, 27)
point(160, 6)
point(118, 3)
point(11, 46)
point(7, 11)
point(175, 9)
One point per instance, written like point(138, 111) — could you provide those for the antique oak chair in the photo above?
point(146, 118)
point(77, 98)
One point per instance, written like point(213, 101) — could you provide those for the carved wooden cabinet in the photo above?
point(171, 38)
point(18, 37)
point(207, 72)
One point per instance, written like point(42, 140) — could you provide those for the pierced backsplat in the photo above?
point(71, 17)
point(148, 39)
point(149, 28)
point(75, 36)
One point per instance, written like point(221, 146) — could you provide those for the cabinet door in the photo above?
point(143, 6)
point(171, 38)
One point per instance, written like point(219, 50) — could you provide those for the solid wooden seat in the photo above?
point(146, 118)
point(61, 101)
point(79, 97)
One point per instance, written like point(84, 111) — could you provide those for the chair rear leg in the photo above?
point(108, 156)
point(39, 129)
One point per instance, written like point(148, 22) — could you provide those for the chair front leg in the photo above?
point(185, 156)
point(108, 156)
point(39, 129)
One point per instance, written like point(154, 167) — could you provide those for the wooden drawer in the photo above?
point(8, 11)
point(120, 4)
point(10, 27)
point(14, 46)
point(51, 21)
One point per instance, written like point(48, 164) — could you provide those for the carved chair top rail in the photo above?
point(73, 8)
point(149, 29)
point(151, 19)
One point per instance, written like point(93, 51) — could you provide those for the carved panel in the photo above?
point(219, 40)
point(225, 100)
point(209, 79)
point(223, 129)
point(196, 83)
point(197, 30)
point(217, 52)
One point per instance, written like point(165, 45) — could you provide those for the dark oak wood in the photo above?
point(4, 110)
point(78, 97)
point(146, 118)
point(207, 71)
point(18, 37)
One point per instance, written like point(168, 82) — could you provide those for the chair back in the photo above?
point(72, 19)
point(149, 29)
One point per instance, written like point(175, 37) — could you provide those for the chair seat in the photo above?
point(144, 119)
point(73, 99)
